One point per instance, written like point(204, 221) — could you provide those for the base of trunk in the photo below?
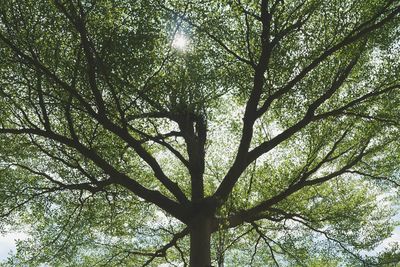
point(200, 243)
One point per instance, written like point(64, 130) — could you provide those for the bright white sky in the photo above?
point(7, 244)
point(394, 238)
point(180, 42)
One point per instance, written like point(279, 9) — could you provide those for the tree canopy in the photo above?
point(229, 133)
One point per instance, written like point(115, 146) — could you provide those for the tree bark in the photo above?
point(200, 242)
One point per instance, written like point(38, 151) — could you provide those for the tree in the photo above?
point(199, 132)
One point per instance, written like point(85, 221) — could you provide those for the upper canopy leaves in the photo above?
point(279, 119)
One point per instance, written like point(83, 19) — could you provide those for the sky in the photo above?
point(7, 244)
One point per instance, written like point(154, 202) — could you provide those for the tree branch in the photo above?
point(162, 251)
point(256, 212)
point(117, 177)
point(106, 123)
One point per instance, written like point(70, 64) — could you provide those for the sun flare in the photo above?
point(180, 42)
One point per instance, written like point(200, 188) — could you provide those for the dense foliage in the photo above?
point(267, 136)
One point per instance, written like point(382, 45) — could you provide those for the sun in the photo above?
point(180, 42)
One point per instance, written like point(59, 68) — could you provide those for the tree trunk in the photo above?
point(200, 243)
